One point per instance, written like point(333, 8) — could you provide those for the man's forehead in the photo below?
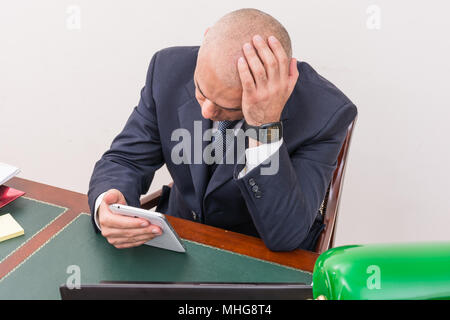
point(215, 89)
point(223, 99)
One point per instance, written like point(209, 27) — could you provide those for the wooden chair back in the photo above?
point(330, 204)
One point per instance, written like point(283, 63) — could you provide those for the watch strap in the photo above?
point(266, 133)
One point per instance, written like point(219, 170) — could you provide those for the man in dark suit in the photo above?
point(242, 78)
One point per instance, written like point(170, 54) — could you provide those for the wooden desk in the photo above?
point(76, 203)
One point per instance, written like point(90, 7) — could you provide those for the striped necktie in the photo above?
point(220, 138)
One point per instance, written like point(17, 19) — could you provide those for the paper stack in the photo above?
point(7, 172)
point(9, 228)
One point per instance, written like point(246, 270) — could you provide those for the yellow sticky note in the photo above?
point(9, 228)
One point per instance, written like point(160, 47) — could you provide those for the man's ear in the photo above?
point(206, 31)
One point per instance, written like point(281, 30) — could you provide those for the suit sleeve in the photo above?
point(284, 202)
point(135, 154)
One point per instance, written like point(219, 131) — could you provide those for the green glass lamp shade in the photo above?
point(384, 271)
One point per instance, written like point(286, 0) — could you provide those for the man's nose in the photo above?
point(209, 110)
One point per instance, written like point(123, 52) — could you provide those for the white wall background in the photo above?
point(65, 93)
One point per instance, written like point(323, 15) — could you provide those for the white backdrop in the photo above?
point(71, 72)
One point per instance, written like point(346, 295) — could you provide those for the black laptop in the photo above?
point(113, 290)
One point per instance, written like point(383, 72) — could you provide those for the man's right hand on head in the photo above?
point(123, 231)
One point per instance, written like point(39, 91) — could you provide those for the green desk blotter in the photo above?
point(40, 276)
point(33, 216)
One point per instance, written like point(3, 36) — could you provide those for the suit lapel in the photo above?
point(223, 172)
point(188, 114)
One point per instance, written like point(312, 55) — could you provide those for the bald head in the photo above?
point(222, 45)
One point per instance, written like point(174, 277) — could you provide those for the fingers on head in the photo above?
point(267, 56)
point(280, 54)
point(248, 84)
point(255, 64)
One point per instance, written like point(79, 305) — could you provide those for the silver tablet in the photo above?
point(167, 240)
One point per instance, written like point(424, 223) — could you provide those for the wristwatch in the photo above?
point(266, 133)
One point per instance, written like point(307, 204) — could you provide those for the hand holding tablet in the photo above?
point(167, 240)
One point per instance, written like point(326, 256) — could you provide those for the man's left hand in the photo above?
point(268, 79)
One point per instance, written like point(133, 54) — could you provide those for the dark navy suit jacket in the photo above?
point(283, 210)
